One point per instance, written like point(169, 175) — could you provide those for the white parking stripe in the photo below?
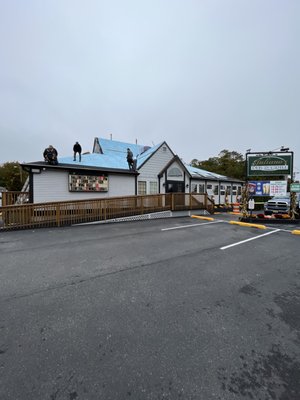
point(191, 225)
point(248, 240)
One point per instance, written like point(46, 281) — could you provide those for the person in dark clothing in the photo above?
point(77, 149)
point(50, 155)
point(130, 158)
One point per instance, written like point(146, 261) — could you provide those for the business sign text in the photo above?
point(269, 165)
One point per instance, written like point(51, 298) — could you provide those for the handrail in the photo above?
point(63, 213)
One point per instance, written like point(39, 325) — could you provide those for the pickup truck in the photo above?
point(280, 205)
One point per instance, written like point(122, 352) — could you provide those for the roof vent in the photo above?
point(145, 148)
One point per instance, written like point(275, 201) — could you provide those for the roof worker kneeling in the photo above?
point(50, 155)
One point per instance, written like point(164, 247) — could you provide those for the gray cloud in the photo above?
point(202, 75)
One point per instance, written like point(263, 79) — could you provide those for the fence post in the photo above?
point(172, 202)
point(4, 199)
point(142, 204)
point(58, 215)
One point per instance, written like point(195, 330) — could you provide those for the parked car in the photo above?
point(280, 205)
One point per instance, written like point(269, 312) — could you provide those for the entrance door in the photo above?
point(175, 187)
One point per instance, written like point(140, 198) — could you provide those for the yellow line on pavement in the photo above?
point(258, 226)
point(201, 217)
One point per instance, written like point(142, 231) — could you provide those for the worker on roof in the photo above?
point(77, 149)
point(130, 158)
point(50, 155)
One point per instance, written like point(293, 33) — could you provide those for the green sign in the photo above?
point(269, 165)
point(295, 187)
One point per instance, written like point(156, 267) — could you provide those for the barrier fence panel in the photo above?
point(14, 198)
point(24, 216)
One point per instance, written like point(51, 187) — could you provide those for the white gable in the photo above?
point(155, 164)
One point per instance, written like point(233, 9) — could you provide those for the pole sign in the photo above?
point(295, 187)
point(278, 188)
point(259, 188)
point(273, 164)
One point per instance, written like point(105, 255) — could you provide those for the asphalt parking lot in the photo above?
point(176, 308)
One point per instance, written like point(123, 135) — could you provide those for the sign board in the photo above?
point(259, 188)
point(273, 164)
point(251, 204)
point(88, 183)
point(295, 187)
point(278, 188)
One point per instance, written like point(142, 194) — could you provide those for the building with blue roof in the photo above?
point(105, 173)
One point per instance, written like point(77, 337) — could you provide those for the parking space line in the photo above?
point(191, 225)
point(248, 240)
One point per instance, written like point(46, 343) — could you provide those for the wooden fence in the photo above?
point(14, 198)
point(55, 214)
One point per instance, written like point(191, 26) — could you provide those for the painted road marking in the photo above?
point(191, 225)
point(248, 240)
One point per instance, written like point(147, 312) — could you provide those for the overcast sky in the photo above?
point(203, 75)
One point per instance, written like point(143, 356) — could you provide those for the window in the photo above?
point(209, 186)
point(194, 188)
point(239, 190)
point(222, 187)
point(153, 188)
point(174, 172)
point(201, 188)
point(233, 187)
point(216, 190)
point(141, 187)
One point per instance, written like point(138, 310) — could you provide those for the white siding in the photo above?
point(150, 170)
point(54, 186)
point(155, 164)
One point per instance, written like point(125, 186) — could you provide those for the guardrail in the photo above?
point(55, 214)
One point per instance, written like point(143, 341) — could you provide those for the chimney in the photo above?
point(110, 136)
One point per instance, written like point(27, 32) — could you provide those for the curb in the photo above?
point(295, 232)
point(205, 218)
point(258, 226)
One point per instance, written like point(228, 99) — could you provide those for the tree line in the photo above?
point(12, 176)
point(228, 163)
